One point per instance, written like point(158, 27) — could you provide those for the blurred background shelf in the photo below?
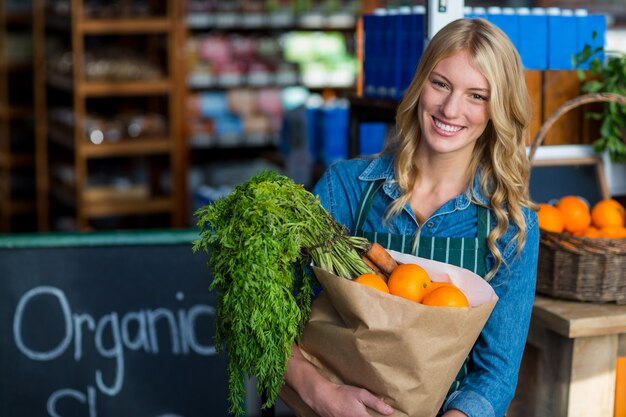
point(188, 97)
point(111, 113)
point(17, 136)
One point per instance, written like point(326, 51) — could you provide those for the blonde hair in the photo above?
point(499, 156)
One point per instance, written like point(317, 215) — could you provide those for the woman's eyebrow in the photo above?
point(481, 89)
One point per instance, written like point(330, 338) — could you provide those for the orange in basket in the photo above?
point(613, 232)
point(550, 218)
point(576, 213)
point(608, 212)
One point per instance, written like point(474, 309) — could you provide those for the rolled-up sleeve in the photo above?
point(489, 387)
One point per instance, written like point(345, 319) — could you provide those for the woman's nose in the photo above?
point(452, 106)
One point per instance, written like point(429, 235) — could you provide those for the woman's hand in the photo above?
point(345, 400)
point(326, 398)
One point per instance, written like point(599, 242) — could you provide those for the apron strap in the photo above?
point(484, 223)
point(365, 203)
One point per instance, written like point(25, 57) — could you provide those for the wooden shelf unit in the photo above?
point(165, 172)
point(17, 138)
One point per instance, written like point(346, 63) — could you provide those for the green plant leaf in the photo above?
point(612, 79)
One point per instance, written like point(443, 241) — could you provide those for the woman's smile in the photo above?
point(446, 128)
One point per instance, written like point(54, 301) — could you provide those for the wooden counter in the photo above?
point(569, 363)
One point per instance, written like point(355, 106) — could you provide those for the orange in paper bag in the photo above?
point(446, 296)
point(409, 281)
point(374, 281)
point(352, 330)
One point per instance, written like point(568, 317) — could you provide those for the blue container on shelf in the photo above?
point(375, 50)
point(562, 39)
point(533, 36)
point(314, 130)
point(371, 137)
point(334, 133)
point(414, 45)
point(393, 45)
point(506, 19)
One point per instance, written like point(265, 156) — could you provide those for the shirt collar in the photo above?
point(382, 168)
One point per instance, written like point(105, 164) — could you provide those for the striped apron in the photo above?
point(468, 253)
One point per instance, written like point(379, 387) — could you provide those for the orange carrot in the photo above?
point(371, 264)
point(381, 258)
point(374, 268)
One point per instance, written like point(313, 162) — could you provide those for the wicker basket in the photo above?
point(575, 267)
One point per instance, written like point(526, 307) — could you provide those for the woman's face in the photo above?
point(453, 107)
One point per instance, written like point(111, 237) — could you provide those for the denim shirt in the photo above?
point(490, 384)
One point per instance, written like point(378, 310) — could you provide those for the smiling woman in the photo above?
point(452, 186)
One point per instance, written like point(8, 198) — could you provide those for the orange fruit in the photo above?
point(446, 296)
point(575, 212)
point(409, 281)
point(613, 232)
point(591, 232)
point(374, 281)
point(607, 212)
point(550, 218)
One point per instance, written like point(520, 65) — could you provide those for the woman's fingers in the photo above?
point(375, 403)
point(351, 401)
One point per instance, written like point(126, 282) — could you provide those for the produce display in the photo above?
point(572, 215)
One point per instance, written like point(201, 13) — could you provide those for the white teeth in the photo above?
point(445, 127)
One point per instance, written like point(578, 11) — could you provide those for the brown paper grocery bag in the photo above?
point(402, 351)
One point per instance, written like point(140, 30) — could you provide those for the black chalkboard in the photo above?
point(581, 177)
point(108, 325)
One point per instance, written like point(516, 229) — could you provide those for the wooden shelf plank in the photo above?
point(127, 147)
point(113, 88)
point(128, 208)
point(14, 206)
point(15, 112)
point(125, 25)
point(22, 17)
point(125, 88)
point(65, 194)
point(124, 147)
point(25, 65)
point(576, 319)
point(17, 160)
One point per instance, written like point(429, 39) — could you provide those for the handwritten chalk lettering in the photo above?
point(64, 396)
point(114, 352)
point(112, 334)
point(65, 311)
point(72, 394)
point(136, 330)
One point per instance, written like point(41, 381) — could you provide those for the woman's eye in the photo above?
point(440, 84)
point(479, 97)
